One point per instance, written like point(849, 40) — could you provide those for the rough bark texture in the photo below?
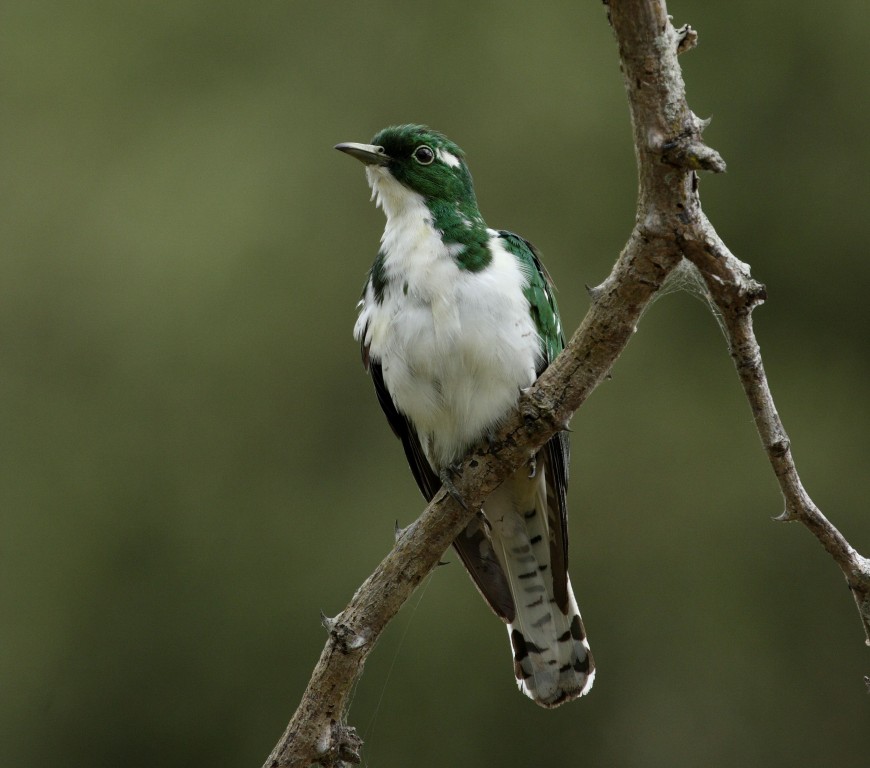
point(669, 227)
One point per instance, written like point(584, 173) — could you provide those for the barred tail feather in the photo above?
point(552, 660)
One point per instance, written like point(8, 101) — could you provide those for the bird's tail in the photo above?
point(552, 660)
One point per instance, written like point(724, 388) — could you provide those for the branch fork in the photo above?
point(670, 226)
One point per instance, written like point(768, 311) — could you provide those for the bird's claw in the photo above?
point(533, 466)
point(446, 475)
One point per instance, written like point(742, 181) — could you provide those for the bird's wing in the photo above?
point(427, 480)
point(555, 455)
point(472, 544)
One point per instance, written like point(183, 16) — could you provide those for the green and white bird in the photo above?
point(455, 319)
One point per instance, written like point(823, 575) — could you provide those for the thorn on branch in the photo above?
point(397, 532)
point(686, 152)
point(595, 292)
point(687, 38)
point(701, 123)
point(786, 516)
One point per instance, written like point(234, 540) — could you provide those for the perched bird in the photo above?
point(455, 319)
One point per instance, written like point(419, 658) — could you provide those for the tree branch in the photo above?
point(669, 226)
point(735, 295)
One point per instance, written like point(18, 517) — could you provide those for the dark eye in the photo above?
point(424, 155)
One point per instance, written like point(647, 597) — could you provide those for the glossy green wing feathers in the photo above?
point(540, 294)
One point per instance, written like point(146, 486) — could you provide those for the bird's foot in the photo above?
point(533, 466)
point(446, 475)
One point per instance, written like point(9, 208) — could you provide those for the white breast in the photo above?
point(455, 346)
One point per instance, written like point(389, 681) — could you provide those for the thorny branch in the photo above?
point(669, 227)
point(736, 302)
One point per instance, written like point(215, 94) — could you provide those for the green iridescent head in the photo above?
point(421, 159)
point(416, 171)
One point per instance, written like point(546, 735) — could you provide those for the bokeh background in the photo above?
point(193, 461)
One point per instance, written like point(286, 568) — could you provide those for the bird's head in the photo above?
point(415, 159)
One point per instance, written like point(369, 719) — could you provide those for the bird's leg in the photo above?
point(446, 475)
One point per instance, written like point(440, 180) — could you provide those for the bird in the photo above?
point(455, 320)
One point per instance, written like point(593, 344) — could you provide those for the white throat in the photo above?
point(392, 196)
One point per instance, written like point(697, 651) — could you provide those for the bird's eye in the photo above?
point(424, 155)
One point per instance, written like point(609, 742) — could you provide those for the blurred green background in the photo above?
point(193, 461)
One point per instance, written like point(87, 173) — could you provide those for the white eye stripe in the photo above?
point(447, 158)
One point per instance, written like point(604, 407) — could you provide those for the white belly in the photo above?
point(455, 346)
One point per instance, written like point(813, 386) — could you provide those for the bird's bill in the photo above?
point(370, 154)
